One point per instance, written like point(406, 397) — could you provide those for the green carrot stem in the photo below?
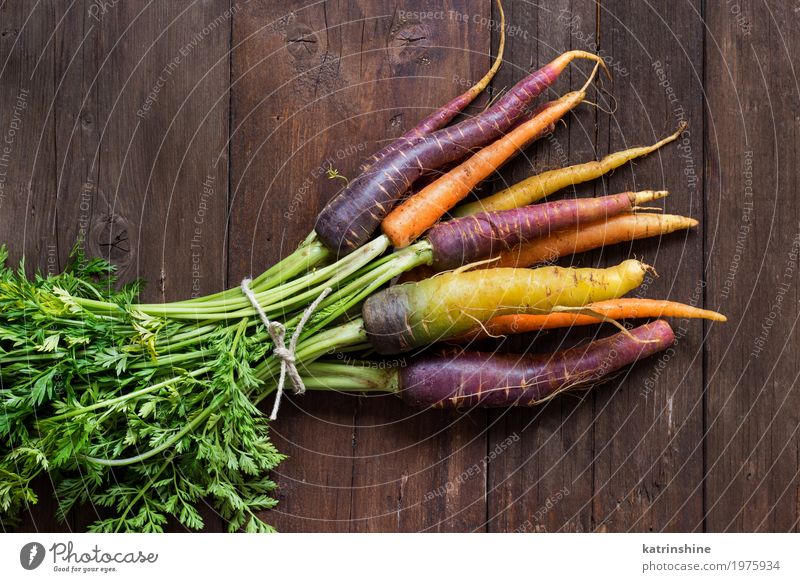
point(309, 254)
point(197, 331)
point(402, 261)
point(142, 492)
point(171, 359)
point(295, 293)
point(353, 376)
point(33, 357)
point(167, 444)
point(348, 334)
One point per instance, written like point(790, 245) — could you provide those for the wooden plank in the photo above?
point(315, 86)
point(120, 122)
point(142, 123)
point(425, 471)
point(77, 129)
point(295, 106)
point(752, 245)
point(26, 126)
point(649, 423)
point(542, 479)
point(27, 166)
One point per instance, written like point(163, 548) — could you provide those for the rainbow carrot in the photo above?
point(470, 239)
point(445, 114)
point(542, 185)
point(624, 308)
point(409, 220)
point(469, 379)
point(616, 229)
point(411, 315)
point(350, 219)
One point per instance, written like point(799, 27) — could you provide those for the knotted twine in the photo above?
point(277, 331)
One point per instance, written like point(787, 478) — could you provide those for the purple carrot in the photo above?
point(465, 240)
point(445, 114)
point(429, 177)
point(468, 379)
point(353, 215)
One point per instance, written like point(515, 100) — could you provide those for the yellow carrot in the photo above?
point(537, 187)
point(411, 315)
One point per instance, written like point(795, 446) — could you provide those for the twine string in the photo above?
point(287, 355)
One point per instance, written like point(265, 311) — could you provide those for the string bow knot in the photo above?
point(277, 331)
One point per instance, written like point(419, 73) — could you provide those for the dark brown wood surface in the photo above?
point(188, 142)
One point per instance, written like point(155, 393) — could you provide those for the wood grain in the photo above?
point(136, 138)
point(27, 163)
point(424, 471)
point(196, 172)
point(543, 482)
point(648, 480)
point(753, 450)
point(297, 77)
point(318, 86)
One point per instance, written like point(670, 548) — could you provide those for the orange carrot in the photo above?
point(623, 227)
point(625, 308)
point(418, 213)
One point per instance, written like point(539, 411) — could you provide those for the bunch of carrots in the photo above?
point(150, 408)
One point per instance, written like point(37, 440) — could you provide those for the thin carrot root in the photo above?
point(471, 266)
point(481, 85)
point(561, 62)
point(445, 114)
point(590, 79)
point(588, 311)
point(625, 308)
point(541, 185)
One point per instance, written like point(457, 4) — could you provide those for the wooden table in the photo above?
point(189, 142)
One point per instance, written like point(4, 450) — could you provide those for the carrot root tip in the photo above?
point(593, 57)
